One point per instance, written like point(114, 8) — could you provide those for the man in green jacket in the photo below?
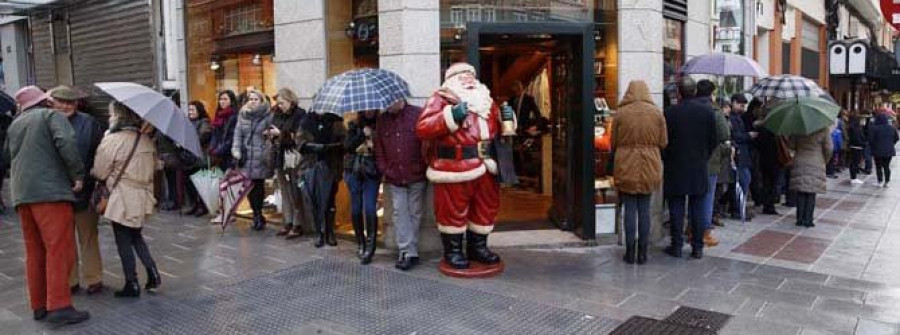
point(46, 169)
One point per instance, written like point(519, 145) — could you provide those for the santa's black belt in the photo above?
point(462, 152)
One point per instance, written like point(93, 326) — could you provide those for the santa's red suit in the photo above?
point(466, 197)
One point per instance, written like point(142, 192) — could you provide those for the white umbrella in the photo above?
point(157, 109)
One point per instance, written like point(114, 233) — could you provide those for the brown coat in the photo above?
point(810, 155)
point(638, 136)
point(132, 201)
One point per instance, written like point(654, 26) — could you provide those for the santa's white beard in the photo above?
point(478, 97)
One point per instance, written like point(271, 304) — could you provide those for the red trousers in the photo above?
point(49, 234)
point(472, 204)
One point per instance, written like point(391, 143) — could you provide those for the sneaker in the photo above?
point(856, 182)
point(832, 176)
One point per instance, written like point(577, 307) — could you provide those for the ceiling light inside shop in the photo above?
point(257, 59)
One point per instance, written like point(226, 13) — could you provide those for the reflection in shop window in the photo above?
point(520, 17)
point(473, 14)
point(457, 16)
point(243, 19)
point(489, 15)
point(673, 57)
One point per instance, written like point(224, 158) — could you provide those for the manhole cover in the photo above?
point(699, 318)
point(647, 326)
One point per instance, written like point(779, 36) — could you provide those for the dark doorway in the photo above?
point(539, 70)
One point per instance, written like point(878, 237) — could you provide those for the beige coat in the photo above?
point(811, 153)
point(132, 201)
point(638, 136)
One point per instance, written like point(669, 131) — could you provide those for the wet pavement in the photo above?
point(772, 277)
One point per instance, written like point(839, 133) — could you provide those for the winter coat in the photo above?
point(722, 153)
point(204, 131)
point(837, 135)
point(882, 137)
point(131, 202)
point(88, 135)
point(691, 126)
point(321, 139)
point(740, 138)
point(359, 149)
point(638, 136)
point(42, 148)
point(221, 141)
point(398, 152)
point(857, 135)
point(249, 144)
point(811, 152)
point(287, 124)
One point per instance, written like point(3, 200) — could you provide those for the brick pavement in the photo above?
point(774, 278)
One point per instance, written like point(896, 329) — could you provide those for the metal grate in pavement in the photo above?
point(699, 318)
point(647, 326)
point(355, 299)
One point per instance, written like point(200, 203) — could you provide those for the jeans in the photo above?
point(743, 177)
point(257, 196)
point(363, 195)
point(708, 201)
point(636, 217)
point(883, 168)
point(408, 204)
point(676, 216)
point(806, 205)
point(128, 242)
point(856, 155)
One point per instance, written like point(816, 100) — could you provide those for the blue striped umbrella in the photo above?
point(360, 90)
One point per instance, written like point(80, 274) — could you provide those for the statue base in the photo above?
point(475, 270)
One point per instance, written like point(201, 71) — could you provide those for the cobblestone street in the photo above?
point(773, 277)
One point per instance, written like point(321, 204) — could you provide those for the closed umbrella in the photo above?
point(233, 188)
point(723, 64)
point(157, 109)
point(801, 116)
point(360, 90)
point(786, 87)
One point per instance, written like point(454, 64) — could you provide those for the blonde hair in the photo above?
point(120, 116)
point(264, 99)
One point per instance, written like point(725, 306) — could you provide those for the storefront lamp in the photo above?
point(257, 59)
point(350, 30)
point(214, 65)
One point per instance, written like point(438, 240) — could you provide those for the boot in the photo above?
point(320, 232)
point(330, 239)
point(371, 239)
point(629, 253)
point(642, 253)
point(67, 316)
point(192, 211)
point(359, 233)
point(709, 240)
point(295, 232)
point(154, 280)
point(285, 230)
point(453, 255)
point(131, 290)
point(477, 249)
point(697, 253)
point(259, 222)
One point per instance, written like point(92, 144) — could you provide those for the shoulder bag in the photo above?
point(100, 197)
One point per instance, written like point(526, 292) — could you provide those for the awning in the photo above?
point(869, 9)
point(23, 7)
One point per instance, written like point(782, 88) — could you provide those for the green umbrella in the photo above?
point(801, 116)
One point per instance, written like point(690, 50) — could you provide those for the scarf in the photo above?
point(222, 116)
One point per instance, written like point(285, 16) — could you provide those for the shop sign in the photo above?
point(891, 10)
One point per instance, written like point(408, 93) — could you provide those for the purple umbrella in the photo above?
point(723, 64)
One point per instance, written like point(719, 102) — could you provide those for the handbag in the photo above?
point(100, 196)
point(785, 154)
point(364, 167)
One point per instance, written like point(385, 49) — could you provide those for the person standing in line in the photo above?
point(723, 197)
point(363, 181)
point(858, 144)
point(883, 139)
point(837, 138)
point(249, 148)
point(691, 128)
point(742, 138)
point(808, 172)
point(222, 127)
point(867, 153)
point(705, 90)
point(638, 137)
point(321, 139)
point(200, 121)
point(45, 172)
point(126, 161)
point(286, 120)
point(398, 154)
point(5, 120)
point(88, 134)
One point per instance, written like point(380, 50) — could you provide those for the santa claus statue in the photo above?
point(460, 121)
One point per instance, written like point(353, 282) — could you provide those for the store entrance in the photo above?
point(540, 74)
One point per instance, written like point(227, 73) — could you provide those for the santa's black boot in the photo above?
point(477, 249)
point(453, 251)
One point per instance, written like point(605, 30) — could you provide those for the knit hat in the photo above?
point(29, 96)
point(65, 93)
point(458, 68)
